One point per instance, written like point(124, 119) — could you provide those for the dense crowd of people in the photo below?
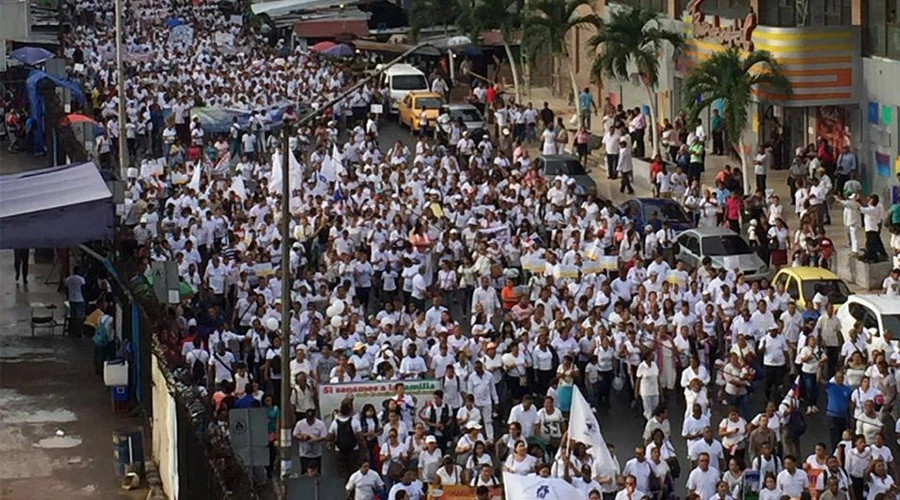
point(459, 262)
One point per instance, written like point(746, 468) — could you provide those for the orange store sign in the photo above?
point(739, 35)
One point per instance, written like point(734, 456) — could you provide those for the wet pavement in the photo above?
point(56, 416)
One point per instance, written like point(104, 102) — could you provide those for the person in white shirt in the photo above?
point(222, 361)
point(704, 478)
point(792, 481)
point(364, 483)
point(630, 492)
point(611, 140)
point(481, 387)
point(525, 414)
point(310, 433)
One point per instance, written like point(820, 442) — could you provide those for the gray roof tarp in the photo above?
point(55, 207)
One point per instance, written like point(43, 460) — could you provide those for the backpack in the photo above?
point(101, 337)
point(198, 370)
point(796, 423)
point(345, 438)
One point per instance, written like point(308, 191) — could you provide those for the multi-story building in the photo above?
point(841, 56)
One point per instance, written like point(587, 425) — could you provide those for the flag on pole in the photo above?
point(531, 487)
point(275, 176)
point(238, 188)
point(583, 427)
point(195, 178)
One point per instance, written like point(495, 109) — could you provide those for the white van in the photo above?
point(401, 79)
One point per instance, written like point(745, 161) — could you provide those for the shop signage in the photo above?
point(738, 35)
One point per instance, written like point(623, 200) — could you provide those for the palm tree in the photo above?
point(546, 25)
point(729, 76)
point(502, 15)
point(633, 36)
point(430, 13)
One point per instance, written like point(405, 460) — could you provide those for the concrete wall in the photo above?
point(880, 77)
point(165, 432)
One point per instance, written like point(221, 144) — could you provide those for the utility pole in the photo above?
point(286, 421)
point(287, 126)
point(120, 77)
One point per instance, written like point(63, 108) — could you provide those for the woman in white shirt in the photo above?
point(770, 491)
point(879, 480)
point(394, 450)
point(810, 358)
point(647, 384)
point(519, 461)
point(733, 431)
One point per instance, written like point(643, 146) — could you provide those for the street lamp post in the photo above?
point(287, 127)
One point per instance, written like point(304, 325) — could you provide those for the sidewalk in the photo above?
point(776, 179)
point(48, 385)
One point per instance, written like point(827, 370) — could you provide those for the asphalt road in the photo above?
point(621, 424)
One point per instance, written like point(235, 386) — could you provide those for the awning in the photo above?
point(282, 7)
point(331, 28)
point(55, 207)
point(393, 48)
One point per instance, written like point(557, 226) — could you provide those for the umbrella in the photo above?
point(70, 120)
point(322, 46)
point(31, 55)
point(342, 50)
point(173, 22)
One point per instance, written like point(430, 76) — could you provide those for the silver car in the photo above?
point(725, 248)
point(471, 117)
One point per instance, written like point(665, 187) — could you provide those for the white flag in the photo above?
point(275, 175)
point(533, 487)
point(583, 427)
point(237, 187)
point(336, 161)
point(296, 172)
point(195, 178)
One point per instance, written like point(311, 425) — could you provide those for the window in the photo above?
point(836, 291)
point(665, 211)
point(725, 245)
point(691, 244)
point(780, 280)
point(882, 31)
point(792, 289)
point(409, 82)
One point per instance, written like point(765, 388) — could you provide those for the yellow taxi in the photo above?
point(410, 108)
point(802, 284)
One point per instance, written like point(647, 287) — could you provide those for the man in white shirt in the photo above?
point(873, 217)
point(481, 386)
point(409, 484)
point(704, 478)
point(611, 140)
point(222, 361)
point(311, 434)
point(775, 356)
point(792, 481)
point(525, 414)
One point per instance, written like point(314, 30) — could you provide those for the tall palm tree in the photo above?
point(502, 15)
point(546, 25)
point(430, 13)
point(729, 76)
point(633, 36)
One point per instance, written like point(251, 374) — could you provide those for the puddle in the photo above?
point(58, 415)
point(56, 442)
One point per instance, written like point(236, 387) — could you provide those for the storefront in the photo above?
point(823, 65)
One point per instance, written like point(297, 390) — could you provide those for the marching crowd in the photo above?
point(461, 263)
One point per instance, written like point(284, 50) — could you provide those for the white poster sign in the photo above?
point(224, 39)
point(331, 395)
point(182, 36)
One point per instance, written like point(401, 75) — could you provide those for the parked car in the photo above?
point(877, 313)
point(724, 247)
point(801, 283)
point(642, 211)
point(553, 166)
point(471, 117)
point(410, 108)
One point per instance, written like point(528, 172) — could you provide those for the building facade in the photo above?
point(841, 56)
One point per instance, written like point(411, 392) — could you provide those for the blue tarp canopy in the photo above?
point(31, 56)
point(55, 207)
point(218, 120)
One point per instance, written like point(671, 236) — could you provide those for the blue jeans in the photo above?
point(739, 402)
point(810, 388)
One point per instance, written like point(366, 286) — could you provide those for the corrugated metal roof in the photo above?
point(330, 28)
